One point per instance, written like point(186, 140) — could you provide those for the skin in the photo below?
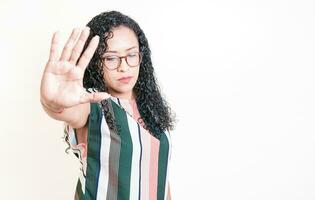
point(123, 42)
point(62, 81)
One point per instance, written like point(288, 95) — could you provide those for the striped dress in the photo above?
point(127, 164)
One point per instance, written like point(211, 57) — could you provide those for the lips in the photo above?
point(125, 78)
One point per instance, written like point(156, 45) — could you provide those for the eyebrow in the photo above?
point(117, 51)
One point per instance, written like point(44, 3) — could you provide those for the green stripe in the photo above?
point(79, 194)
point(125, 159)
point(162, 170)
point(93, 156)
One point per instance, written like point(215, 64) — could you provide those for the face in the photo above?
point(123, 43)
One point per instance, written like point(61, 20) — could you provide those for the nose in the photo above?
point(123, 65)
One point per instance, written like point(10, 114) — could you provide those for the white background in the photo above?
point(239, 74)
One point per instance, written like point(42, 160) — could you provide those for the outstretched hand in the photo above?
point(62, 80)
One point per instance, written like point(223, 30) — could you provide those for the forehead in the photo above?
point(123, 39)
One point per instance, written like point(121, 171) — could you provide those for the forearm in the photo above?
point(75, 116)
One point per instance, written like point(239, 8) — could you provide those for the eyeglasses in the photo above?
point(112, 62)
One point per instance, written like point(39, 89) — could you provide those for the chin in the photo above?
point(125, 89)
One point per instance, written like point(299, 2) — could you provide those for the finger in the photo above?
point(59, 69)
point(76, 52)
point(99, 96)
point(66, 52)
point(88, 53)
point(94, 97)
point(53, 54)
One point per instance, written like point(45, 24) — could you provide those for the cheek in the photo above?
point(136, 73)
point(109, 77)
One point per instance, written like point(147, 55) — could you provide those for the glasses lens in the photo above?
point(111, 62)
point(133, 59)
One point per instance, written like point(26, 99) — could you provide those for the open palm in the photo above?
point(62, 81)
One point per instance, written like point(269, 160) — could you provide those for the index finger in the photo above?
point(88, 53)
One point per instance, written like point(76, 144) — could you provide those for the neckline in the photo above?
point(113, 98)
point(91, 90)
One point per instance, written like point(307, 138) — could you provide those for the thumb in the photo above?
point(94, 97)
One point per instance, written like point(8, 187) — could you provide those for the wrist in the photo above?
point(52, 109)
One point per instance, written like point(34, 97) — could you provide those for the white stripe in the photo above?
point(169, 137)
point(114, 99)
point(73, 145)
point(104, 159)
point(168, 163)
point(71, 136)
point(134, 177)
point(82, 180)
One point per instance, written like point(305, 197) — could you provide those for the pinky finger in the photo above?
point(53, 55)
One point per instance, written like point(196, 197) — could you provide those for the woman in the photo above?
point(117, 123)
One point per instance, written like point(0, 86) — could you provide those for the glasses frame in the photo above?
point(120, 60)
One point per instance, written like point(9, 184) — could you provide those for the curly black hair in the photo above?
point(154, 110)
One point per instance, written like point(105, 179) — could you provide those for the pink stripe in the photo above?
point(153, 159)
point(145, 164)
point(135, 111)
point(154, 167)
point(145, 161)
point(168, 192)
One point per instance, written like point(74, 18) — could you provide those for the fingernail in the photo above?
point(97, 37)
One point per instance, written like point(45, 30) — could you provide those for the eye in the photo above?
point(133, 55)
point(110, 58)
